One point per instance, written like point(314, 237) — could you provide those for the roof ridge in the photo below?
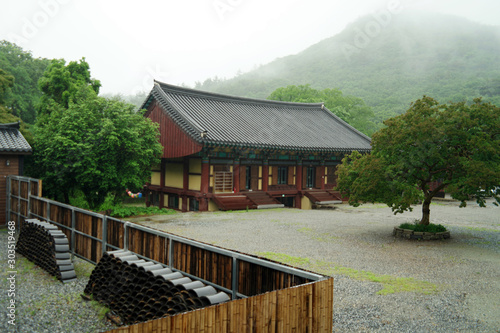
point(176, 108)
point(346, 124)
point(225, 97)
point(16, 125)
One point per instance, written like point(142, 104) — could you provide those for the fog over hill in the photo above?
point(389, 60)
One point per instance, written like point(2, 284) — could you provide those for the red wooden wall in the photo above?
point(175, 142)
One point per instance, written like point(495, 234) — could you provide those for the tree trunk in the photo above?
point(66, 198)
point(428, 195)
point(426, 211)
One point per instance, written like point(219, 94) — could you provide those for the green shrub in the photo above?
point(126, 211)
point(423, 228)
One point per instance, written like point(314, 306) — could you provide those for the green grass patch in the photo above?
point(285, 258)
point(24, 266)
point(99, 308)
point(83, 268)
point(390, 283)
point(126, 211)
point(431, 227)
point(482, 229)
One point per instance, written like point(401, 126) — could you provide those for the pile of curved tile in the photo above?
point(137, 290)
point(47, 246)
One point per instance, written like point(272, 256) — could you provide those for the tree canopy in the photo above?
point(351, 109)
point(85, 142)
point(6, 82)
point(429, 148)
point(22, 97)
point(61, 82)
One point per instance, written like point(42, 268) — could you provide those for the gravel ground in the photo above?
point(44, 304)
point(451, 285)
point(382, 284)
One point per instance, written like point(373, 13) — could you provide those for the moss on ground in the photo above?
point(390, 284)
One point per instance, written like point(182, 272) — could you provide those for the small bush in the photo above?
point(423, 228)
point(126, 211)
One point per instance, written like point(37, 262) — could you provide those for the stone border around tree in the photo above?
point(419, 235)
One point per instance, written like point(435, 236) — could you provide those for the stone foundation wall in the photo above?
point(410, 234)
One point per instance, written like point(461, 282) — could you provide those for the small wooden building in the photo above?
point(226, 152)
point(13, 148)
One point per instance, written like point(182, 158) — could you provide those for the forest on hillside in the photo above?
point(448, 58)
point(380, 71)
point(19, 88)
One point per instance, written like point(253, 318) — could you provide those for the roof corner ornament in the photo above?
point(204, 134)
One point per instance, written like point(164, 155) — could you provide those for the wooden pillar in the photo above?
point(298, 184)
point(185, 183)
point(265, 175)
point(205, 178)
point(162, 183)
point(236, 175)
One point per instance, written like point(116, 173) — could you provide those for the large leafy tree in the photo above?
point(85, 142)
point(349, 108)
point(60, 83)
point(6, 82)
point(429, 148)
point(23, 96)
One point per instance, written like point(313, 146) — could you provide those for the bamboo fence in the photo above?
point(267, 296)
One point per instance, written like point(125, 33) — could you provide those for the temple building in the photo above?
point(225, 152)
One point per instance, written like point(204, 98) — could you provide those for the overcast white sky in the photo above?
point(128, 43)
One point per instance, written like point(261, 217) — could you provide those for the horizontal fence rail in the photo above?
point(267, 296)
point(92, 234)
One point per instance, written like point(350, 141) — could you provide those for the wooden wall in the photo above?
point(278, 298)
point(175, 142)
point(12, 169)
point(305, 308)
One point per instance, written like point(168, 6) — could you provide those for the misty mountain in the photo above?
point(389, 61)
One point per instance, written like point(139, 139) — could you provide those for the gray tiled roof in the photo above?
point(11, 139)
point(258, 124)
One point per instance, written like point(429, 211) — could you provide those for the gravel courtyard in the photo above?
point(382, 284)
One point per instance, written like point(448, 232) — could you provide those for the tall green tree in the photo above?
point(349, 108)
point(6, 82)
point(85, 142)
point(22, 98)
point(60, 82)
point(429, 148)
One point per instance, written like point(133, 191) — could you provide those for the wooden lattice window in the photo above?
point(223, 181)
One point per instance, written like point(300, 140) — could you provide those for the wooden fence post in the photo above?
point(104, 243)
point(170, 252)
point(234, 278)
point(73, 223)
point(28, 210)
